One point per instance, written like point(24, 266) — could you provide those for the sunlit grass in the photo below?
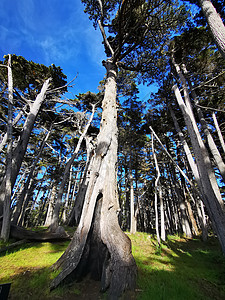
point(180, 268)
point(27, 268)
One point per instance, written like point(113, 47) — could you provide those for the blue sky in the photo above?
point(55, 31)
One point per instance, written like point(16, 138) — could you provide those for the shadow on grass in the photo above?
point(184, 269)
point(33, 283)
point(181, 269)
point(56, 247)
point(20, 247)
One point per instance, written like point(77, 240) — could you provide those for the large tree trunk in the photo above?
point(99, 246)
point(215, 24)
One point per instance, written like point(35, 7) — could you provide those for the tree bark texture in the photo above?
point(218, 131)
point(99, 246)
point(133, 222)
point(156, 191)
point(215, 24)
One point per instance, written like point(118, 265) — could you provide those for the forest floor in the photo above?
point(180, 269)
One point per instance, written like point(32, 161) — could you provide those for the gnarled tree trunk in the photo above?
point(99, 246)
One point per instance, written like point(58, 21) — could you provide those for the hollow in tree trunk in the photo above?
point(99, 246)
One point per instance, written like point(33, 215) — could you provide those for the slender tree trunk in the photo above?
point(26, 209)
point(99, 245)
point(133, 228)
point(19, 185)
point(15, 121)
point(192, 218)
point(20, 150)
point(22, 197)
point(203, 219)
point(212, 146)
point(162, 215)
point(192, 165)
point(55, 223)
point(66, 204)
point(8, 182)
point(215, 24)
point(218, 131)
point(48, 220)
point(213, 200)
point(156, 192)
point(83, 185)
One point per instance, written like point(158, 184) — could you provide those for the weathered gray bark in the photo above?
point(192, 218)
point(133, 222)
point(156, 191)
point(99, 245)
point(218, 131)
point(215, 24)
point(162, 215)
point(201, 213)
point(5, 230)
point(184, 220)
point(20, 150)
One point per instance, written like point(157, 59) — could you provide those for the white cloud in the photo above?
point(58, 48)
point(95, 47)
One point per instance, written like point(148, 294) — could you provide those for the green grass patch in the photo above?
point(180, 268)
point(28, 269)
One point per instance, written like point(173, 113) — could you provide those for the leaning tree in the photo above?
point(99, 246)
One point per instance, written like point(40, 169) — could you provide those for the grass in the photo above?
point(27, 268)
point(180, 269)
